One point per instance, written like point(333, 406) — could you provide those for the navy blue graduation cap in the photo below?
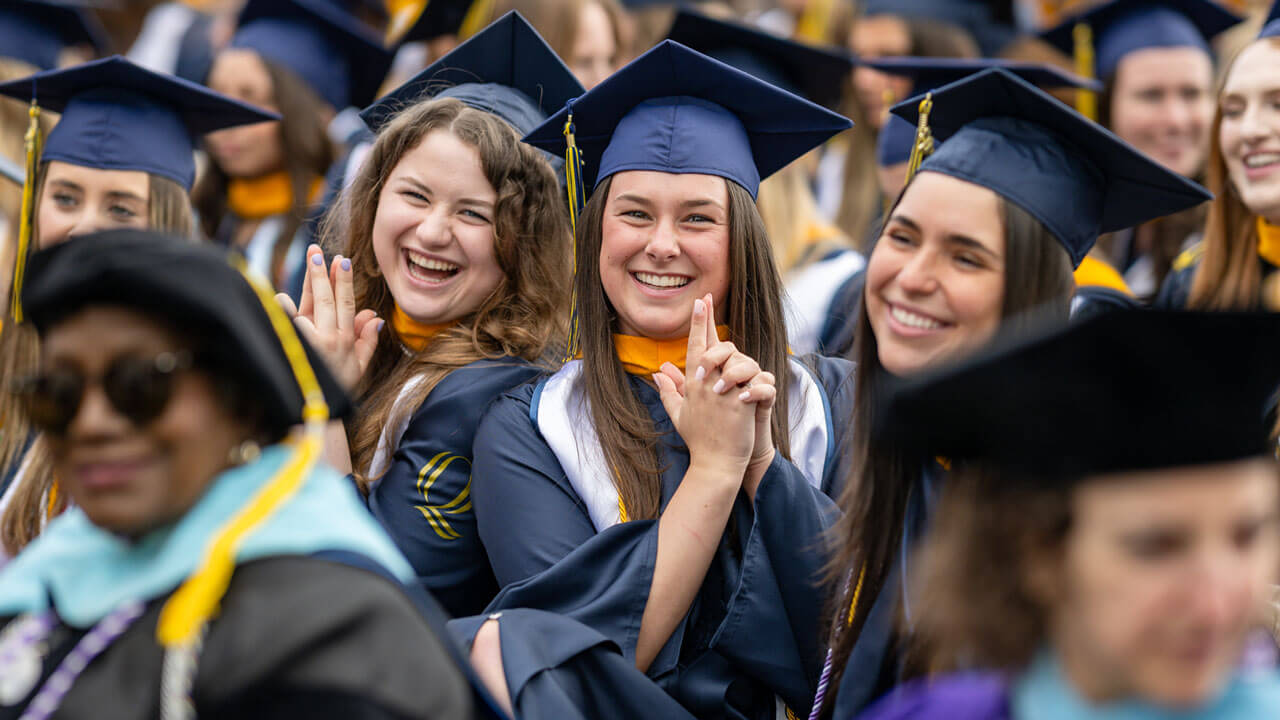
point(1123, 391)
point(1271, 27)
point(676, 110)
point(815, 73)
point(893, 145)
point(437, 19)
point(507, 69)
point(1120, 27)
point(36, 31)
point(340, 58)
point(1074, 176)
point(120, 116)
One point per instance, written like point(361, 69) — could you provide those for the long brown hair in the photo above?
point(521, 317)
point(168, 209)
point(1230, 273)
point(557, 22)
point(1037, 287)
point(308, 153)
point(989, 534)
point(756, 327)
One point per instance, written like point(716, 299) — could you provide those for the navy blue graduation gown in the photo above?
point(752, 632)
point(874, 665)
point(424, 498)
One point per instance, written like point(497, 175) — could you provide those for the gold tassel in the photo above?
point(477, 17)
point(814, 21)
point(577, 200)
point(923, 146)
point(32, 144)
point(186, 612)
point(1086, 100)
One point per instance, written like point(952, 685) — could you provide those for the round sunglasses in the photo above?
point(139, 388)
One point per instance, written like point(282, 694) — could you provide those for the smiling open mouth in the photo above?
point(913, 320)
point(662, 282)
point(429, 269)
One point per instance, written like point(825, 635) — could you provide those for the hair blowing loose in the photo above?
point(522, 317)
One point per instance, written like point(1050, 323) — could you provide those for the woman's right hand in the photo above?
point(327, 318)
point(718, 427)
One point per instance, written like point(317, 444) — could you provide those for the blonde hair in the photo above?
point(520, 318)
point(168, 209)
point(797, 231)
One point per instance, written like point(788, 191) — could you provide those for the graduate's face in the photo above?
point(1250, 130)
point(433, 233)
point(875, 37)
point(1163, 575)
point(665, 243)
point(78, 200)
point(595, 50)
point(246, 151)
point(130, 479)
point(935, 280)
point(1162, 104)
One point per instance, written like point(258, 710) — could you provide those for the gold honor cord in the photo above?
point(1086, 100)
point(814, 22)
point(923, 146)
point(32, 143)
point(577, 199)
point(186, 612)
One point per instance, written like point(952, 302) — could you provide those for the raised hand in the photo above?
point(327, 318)
point(717, 425)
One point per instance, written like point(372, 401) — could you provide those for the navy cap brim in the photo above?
point(816, 73)
point(201, 109)
point(1123, 391)
point(508, 52)
point(780, 126)
point(927, 73)
point(1138, 188)
point(1208, 17)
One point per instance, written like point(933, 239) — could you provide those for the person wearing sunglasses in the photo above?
point(207, 564)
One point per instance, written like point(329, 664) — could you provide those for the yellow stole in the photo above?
point(1096, 273)
point(645, 356)
point(415, 335)
point(1269, 241)
point(262, 197)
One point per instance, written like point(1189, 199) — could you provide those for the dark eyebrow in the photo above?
point(123, 195)
point(632, 197)
point(67, 184)
point(953, 238)
point(700, 202)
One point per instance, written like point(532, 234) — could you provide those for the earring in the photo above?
point(245, 452)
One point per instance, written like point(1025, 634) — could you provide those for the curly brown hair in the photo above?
point(521, 318)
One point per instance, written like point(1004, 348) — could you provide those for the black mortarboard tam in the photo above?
point(197, 289)
point(339, 57)
point(507, 69)
point(1123, 391)
point(1074, 176)
point(676, 110)
point(120, 116)
point(1120, 27)
point(36, 31)
point(815, 73)
point(423, 21)
point(973, 16)
point(1271, 26)
point(894, 142)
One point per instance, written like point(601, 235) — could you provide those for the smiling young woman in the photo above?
point(1234, 267)
point(121, 156)
point(968, 253)
point(455, 234)
point(682, 452)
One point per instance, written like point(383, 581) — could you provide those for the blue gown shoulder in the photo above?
point(424, 498)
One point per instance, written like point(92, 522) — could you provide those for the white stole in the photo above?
point(563, 416)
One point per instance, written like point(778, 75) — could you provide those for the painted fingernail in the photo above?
point(655, 378)
point(700, 374)
point(718, 387)
point(699, 307)
point(381, 324)
point(346, 264)
point(744, 395)
point(317, 259)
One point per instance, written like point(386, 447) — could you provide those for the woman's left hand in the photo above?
point(327, 318)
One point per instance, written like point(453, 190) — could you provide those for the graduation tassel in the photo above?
point(1086, 100)
point(32, 144)
point(195, 602)
point(476, 19)
point(923, 146)
point(577, 200)
point(814, 21)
